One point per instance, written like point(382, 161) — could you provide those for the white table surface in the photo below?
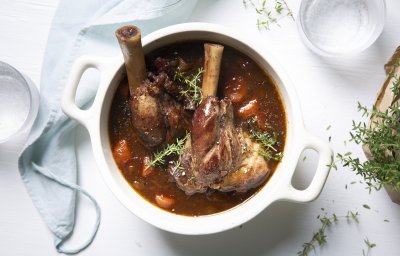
point(328, 89)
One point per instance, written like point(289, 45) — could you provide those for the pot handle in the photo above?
point(68, 104)
point(320, 176)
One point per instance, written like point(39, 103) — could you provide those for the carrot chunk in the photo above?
point(165, 202)
point(249, 109)
point(122, 153)
point(236, 89)
point(147, 168)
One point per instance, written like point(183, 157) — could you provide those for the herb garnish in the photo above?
point(193, 91)
point(369, 247)
point(176, 167)
point(382, 140)
point(366, 206)
point(269, 14)
point(319, 238)
point(171, 149)
point(267, 140)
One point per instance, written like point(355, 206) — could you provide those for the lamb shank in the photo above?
point(218, 155)
point(157, 116)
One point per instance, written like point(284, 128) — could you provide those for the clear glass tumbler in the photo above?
point(340, 27)
point(19, 103)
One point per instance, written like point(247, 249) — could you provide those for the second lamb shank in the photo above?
point(218, 155)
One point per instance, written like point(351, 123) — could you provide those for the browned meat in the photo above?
point(174, 88)
point(253, 170)
point(157, 117)
point(147, 117)
point(213, 149)
point(170, 66)
point(217, 155)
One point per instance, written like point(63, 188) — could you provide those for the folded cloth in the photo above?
point(47, 163)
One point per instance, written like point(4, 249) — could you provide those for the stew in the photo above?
point(244, 86)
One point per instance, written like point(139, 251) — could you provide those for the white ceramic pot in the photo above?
point(279, 187)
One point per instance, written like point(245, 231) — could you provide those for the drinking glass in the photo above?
point(340, 27)
point(19, 102)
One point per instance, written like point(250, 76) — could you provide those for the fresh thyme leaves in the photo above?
point(286, 7)
point(177, 167)
point(170, 149)
point(366, 206)
point(279, 7)
point(267, 140)
point(319, 237)
point(369, 247)
point(269, 12)
point(396, 85)
point(382, 140)
point(269, 155)
point(333, 165)
point(193, 90)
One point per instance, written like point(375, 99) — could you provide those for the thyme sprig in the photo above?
point(267, 140)
point(320, 238)
point(176, 167)
point(369, 247)
point(269, 14)
point(193, 91)
point(396, 84)
point(383, 141)
point(171, 149)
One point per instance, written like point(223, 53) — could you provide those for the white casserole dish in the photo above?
point(279, 187)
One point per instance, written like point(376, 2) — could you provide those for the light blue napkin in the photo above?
point(48, 162)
